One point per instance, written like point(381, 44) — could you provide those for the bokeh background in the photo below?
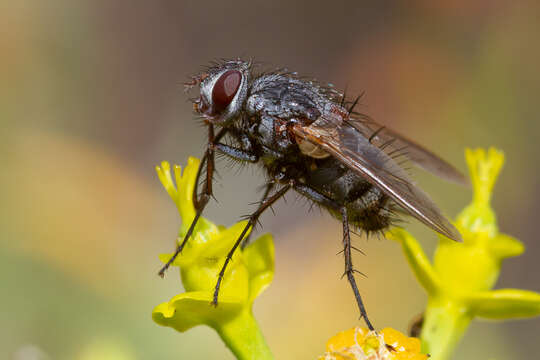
point(91, 100)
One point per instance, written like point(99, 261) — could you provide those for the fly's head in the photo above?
point(223, 90)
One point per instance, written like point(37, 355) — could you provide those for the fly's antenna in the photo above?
point(195, 80)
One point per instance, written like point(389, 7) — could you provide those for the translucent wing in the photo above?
point(346, 144)
point(392, 141)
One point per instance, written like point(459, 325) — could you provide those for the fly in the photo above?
point(309, 139)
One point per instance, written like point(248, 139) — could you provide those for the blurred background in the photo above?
point(91, 99)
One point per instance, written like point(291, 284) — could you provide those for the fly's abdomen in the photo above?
point(371, 211)
point(368, 207)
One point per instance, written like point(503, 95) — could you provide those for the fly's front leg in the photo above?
point(252, 219)
point(200, 203)
point(245, 152)
point(237, 153)
point(349, 270)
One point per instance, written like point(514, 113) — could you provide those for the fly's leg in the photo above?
point(349, 270)
point(236, 153)
point(269, 187)
point(208, 159)
point(246, 152)
point(265, 204)
point(243, 155)
point(201, 202)
point(248, 155)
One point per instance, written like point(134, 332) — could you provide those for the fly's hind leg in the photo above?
point(349, 270)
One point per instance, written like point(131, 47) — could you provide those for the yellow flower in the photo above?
point(251, 270)
point(460, 281)
point(362, 344)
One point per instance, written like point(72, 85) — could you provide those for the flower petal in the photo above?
point(222, 242)
point(187, 310)
point(417, 259)
point(504, 303)
point(185, 184)
point(259, 259)
point(479, 217)
point(504, 246)
point(484, 168)
point(398, 339)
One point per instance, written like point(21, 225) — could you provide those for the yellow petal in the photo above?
point(418, 261)
point(187, 310)
point(259, 260)
point(505, 303)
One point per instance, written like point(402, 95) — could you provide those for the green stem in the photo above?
point(243, 337)
point(445, 322)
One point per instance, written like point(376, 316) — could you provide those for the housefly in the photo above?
point(308, 138)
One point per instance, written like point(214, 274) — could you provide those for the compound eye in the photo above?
point(225, 89)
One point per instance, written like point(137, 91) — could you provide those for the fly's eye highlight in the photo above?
point(225, 89)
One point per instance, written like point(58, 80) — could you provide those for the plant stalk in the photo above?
point(445, 322)
point(243, 337)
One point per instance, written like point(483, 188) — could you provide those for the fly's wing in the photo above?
point(394, 142)
point(347, 145)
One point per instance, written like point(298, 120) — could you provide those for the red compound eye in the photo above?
point(225, 88)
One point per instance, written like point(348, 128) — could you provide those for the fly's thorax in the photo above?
point(272, 133)
point(281, 101)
